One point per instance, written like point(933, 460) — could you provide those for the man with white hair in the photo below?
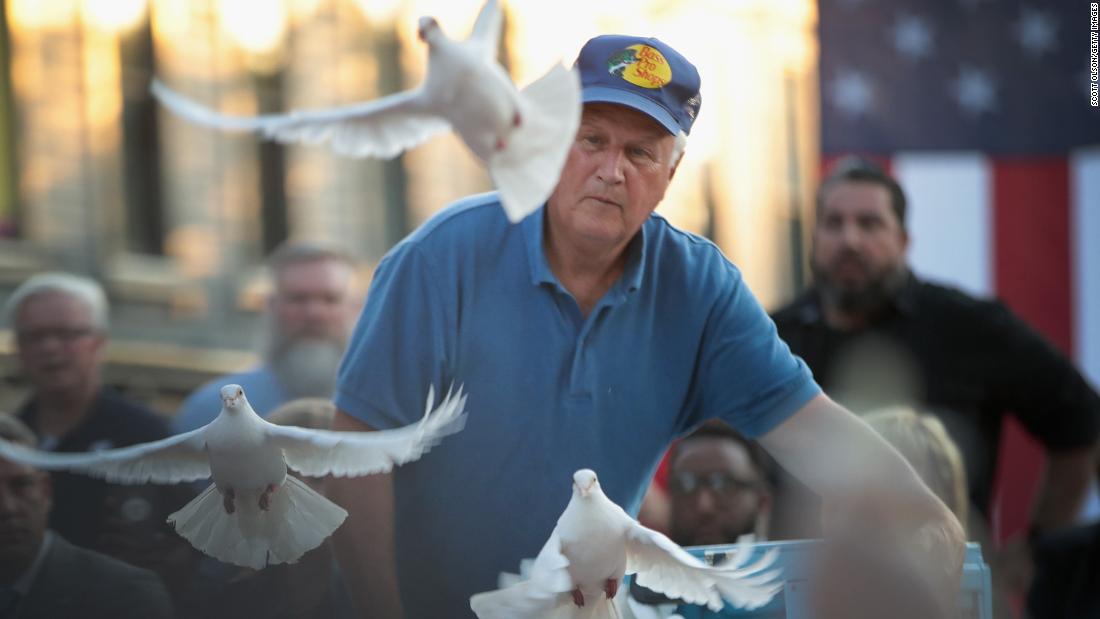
point(310, 314)
point(59, 323)
point(589, 335)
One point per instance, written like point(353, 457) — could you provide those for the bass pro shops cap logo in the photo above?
point(640, 65)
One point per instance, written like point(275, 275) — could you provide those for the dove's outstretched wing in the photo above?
point(665, 567)
point(544, 594)
point(528, 168)
point(486, 32)
point(380, 128)
point(346, 454)
point(167, 461)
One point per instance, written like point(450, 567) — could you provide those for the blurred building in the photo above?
point(175, 219)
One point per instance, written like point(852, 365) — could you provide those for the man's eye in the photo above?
point(870, 223)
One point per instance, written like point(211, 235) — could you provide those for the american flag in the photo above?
point(981, 109)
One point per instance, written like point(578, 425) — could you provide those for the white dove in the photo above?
point(523, 137)
point(255, 514)
point(595, 543)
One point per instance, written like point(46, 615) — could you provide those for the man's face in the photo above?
point(716, 492)
point(312, 301)
point(616, 173)
point(25, 495)
point(858, 244)
point(58, 346)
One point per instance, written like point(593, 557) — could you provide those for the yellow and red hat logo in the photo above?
point(640, 65)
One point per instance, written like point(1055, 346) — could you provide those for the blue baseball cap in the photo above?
point(642, 73)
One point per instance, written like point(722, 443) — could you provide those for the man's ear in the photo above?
point(100, 344)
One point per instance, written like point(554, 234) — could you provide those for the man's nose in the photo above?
point(850, 234)
point(611, 166)
point(705, 501)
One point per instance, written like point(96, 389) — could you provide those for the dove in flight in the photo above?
point(595, 543)
point(256, 514)
point(522, 136)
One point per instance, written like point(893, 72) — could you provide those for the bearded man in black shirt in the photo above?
point(874, 334)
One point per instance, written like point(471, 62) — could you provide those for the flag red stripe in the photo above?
point(1032, 275)
point(1032, 244)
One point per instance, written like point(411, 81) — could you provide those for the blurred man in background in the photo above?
point(718, 488)
point(310, 311)
point(59, 321)
point(718, 491)
point(875, 334)
point(44, 575)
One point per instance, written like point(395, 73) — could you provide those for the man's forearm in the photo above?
point(364, 544)
point(1062, 489)
point(863, 480)
point(837, 455)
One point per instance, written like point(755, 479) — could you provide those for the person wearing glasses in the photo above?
point(718, 488)
point(59, 323)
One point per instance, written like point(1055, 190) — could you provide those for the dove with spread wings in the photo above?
point(522, 136)
point(256, 514)
point(595, 543)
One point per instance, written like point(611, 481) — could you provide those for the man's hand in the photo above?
point(923, 529)
point(870, 491)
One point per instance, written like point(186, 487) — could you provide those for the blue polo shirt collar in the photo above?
point(533, 228)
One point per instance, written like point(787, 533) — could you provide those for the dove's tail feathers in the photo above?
point(297, 521)
point(205, 523)
point(300, 521)
point(599, 608)
point(528, 168)
point(522, 600)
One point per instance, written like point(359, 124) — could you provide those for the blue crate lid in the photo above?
point(975, 601)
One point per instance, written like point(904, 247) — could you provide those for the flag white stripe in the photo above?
point(950, 217)
point(1085, 227)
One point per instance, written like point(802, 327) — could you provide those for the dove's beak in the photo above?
point(426, 24)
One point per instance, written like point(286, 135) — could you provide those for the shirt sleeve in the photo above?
point(1040, 385)
point(747, 376)
point(399, 346)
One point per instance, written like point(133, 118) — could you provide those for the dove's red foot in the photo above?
point(501, 144)
point(611, 587)
point(578, 597)
point(227, 500)
point(265, 497)
point(516, 120)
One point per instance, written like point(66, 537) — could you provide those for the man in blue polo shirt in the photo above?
point(588, 335)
